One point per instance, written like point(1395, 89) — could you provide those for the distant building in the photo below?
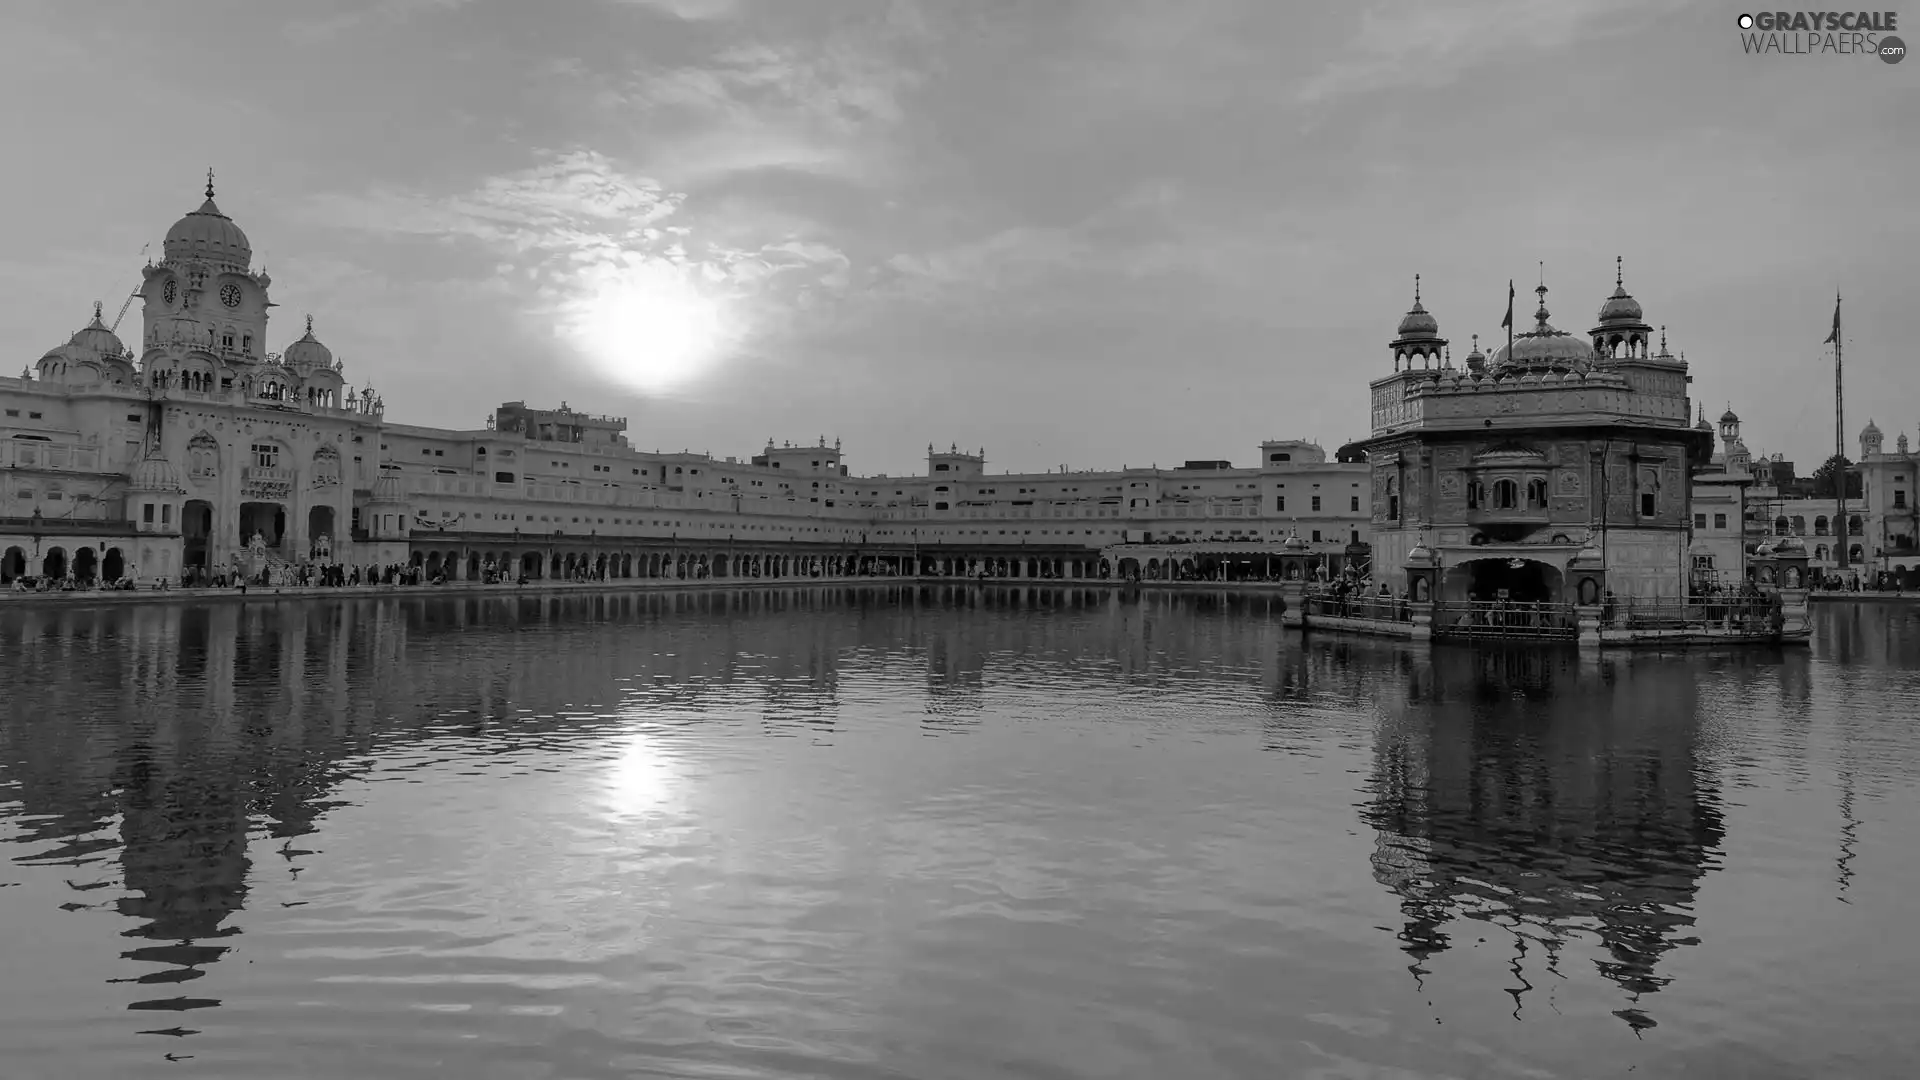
point(200, 452)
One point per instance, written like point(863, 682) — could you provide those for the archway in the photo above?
point(319, 524)
point(85, 565)
point(473, 566)
point(265, 518)
point(55, 563)
point(433, 565)
point(530, 565)
point(196, 529)
point(113, 567)
point(12, 565)
point(1520, 581)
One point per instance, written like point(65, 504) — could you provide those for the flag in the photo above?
point(1507, 323)
point(1834, 337)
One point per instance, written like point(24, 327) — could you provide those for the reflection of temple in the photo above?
point(1586, 817)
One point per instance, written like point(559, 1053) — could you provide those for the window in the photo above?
point(1699, 521)
point(1506, 495)
point(1649, 504)
point(939, 506)
point(1316, 502)
point(1476, 495)
point(266, 455)
point(1356, 504)
point(146, 513)
point(1900, 499)
point(1355, 538)
point(1393, 498)
point(1536, 494)
point(246, 342)
point(1279, 502)
point(1719, 521)
point(166, 514)
point(1316, 535)
point(1279, 457)
point(1703, 562)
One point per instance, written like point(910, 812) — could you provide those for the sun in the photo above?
point(648, 325)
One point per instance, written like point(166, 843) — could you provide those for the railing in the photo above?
point(1355, 606)
point(1738, 613)
point(1504, 619)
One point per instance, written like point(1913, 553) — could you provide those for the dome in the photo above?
point(1543, 347)
point(1728, 417)
point(209, 236)
point(308, 352)
point(1621, 307)
point(386, 489)
point(1871, 429)
point(1418, 323)
point(1294, 544)
point(96, 338)
point(155, 473)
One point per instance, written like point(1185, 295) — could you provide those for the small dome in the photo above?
point(1421, 553)
point(1729, 417)
point(1702, 425)
point(1621, 307)
point(1789, 545)
point(1294, 544)
point(96, 338)
point(1418, 323)
point(308, 353)
point(387, 489)
point(1870, 429)
point(209, 236)
point(155, 473)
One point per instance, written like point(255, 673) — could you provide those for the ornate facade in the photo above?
point(202, 450)
point(1553, 453)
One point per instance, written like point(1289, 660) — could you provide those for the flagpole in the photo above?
point(1839, 438)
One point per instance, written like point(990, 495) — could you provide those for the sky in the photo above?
point(1088, 233)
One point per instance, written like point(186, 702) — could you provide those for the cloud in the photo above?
point(1405, 43)
point(607, 261)
point(339, 23)
point(689, 10)
point(821, 104)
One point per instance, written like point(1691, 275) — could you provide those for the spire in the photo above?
point(96, 311)
point(1416, 290)
point(1663, 339)
point(1619, 272)
point(209, 181)
point(309, 325)
point(1540, 316)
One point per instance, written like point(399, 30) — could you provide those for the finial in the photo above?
point(1543, 273)
point(209, 181)
point(1619, 272)
point(309, 325)
point(1416, 290)
point(1663, 339)
point(96, 311)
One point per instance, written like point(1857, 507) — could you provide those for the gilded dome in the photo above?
point(1620, 307)
point(208, 236)
point(1418, 323)
point(308, 353)
point(1543, 348)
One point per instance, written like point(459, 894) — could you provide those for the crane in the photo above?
point(131, 297)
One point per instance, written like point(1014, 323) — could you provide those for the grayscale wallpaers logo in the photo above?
point(1823, 33)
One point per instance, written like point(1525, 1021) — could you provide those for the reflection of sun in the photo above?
point(640, 780)
point(648, 326)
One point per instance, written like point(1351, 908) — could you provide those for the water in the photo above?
point(851, 834)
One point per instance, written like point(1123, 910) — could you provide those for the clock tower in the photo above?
point(203, 294)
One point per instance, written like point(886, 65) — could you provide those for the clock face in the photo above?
point(169, 293)
point(230, 294)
